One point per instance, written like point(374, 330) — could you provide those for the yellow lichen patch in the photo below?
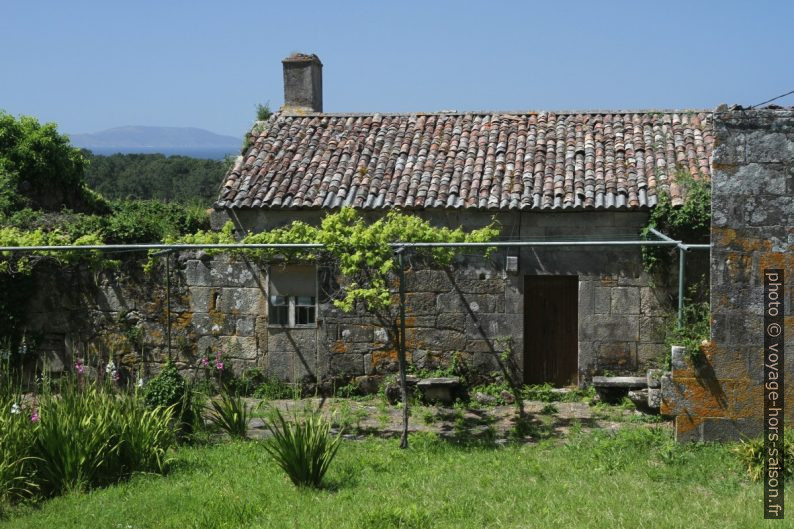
point(738, 265)
point(723, 236)
point(339, 346)
point(182, 320)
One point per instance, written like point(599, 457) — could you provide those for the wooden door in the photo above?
point(551, 329)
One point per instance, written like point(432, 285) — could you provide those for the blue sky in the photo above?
point(91, 65)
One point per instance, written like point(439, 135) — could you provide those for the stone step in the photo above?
point(620, 382)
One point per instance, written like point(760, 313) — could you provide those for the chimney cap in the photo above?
point(302, 57)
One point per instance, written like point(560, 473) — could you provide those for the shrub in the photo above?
point(169, 389)
point(751, 455)
point(303, 448)
point(230, 415)
point(151, 221)
point(690, 333)
point(263, 112)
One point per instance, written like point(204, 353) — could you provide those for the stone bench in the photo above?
point(613, 389)
point(443, 390)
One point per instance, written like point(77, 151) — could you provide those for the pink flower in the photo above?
point(204, 362)
point(218, 365)
point(35, 416)
point(79, 366)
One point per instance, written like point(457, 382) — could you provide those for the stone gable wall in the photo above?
point(752, 229)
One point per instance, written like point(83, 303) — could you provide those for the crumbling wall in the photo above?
point(720, 396)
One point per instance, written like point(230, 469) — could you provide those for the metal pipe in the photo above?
point(530, 243)
point(662, 235)
point(158, 246)
point(401, 349)
point(168, 301)
point(681, 267)
point(175, 247)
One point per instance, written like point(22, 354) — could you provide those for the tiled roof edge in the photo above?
point(293, 114)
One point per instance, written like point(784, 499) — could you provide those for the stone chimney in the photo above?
point(303, 83)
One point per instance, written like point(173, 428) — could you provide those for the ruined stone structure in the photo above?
point(721, 396)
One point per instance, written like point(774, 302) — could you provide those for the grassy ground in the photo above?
point(635, 478)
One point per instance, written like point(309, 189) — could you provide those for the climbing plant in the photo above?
point(688, 222)
point(362, 250)
point(16, 284)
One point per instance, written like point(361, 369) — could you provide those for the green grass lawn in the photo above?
point(635, 479)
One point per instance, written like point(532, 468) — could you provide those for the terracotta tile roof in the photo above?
point(492, 161)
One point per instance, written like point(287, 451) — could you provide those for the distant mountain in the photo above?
point(187, 141)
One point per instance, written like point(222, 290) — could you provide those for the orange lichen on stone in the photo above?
point(685, 423)
point(709, 398)
point(387, 355)
point(339, 346)
point(779, 260)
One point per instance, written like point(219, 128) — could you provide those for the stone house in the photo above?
point(569, 311)
point(565, 312)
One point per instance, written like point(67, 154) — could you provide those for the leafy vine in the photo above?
point(363, 250)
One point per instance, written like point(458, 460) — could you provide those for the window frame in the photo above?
point(292, 304)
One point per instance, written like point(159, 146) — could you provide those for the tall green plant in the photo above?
point(303, 448)
point(87, 437)
point(230, 414)
point(17, 466)
point(75, 439)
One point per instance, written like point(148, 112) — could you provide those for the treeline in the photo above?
point(155, 176)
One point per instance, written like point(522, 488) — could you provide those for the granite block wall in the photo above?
point(473, 310)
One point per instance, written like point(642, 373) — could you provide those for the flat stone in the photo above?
point(439, 381)
point(442, 389)
point(620, 382)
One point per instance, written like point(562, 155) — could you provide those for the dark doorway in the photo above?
point(551, 329)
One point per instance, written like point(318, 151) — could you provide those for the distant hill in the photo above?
point(185, 141)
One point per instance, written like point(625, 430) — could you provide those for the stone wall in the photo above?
point(220, 304)
point(721, 397)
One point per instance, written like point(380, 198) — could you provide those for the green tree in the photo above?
point(39, 168)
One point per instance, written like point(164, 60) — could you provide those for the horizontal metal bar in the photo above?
point(530, 243)
point(113, 247)
point(297, 246)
